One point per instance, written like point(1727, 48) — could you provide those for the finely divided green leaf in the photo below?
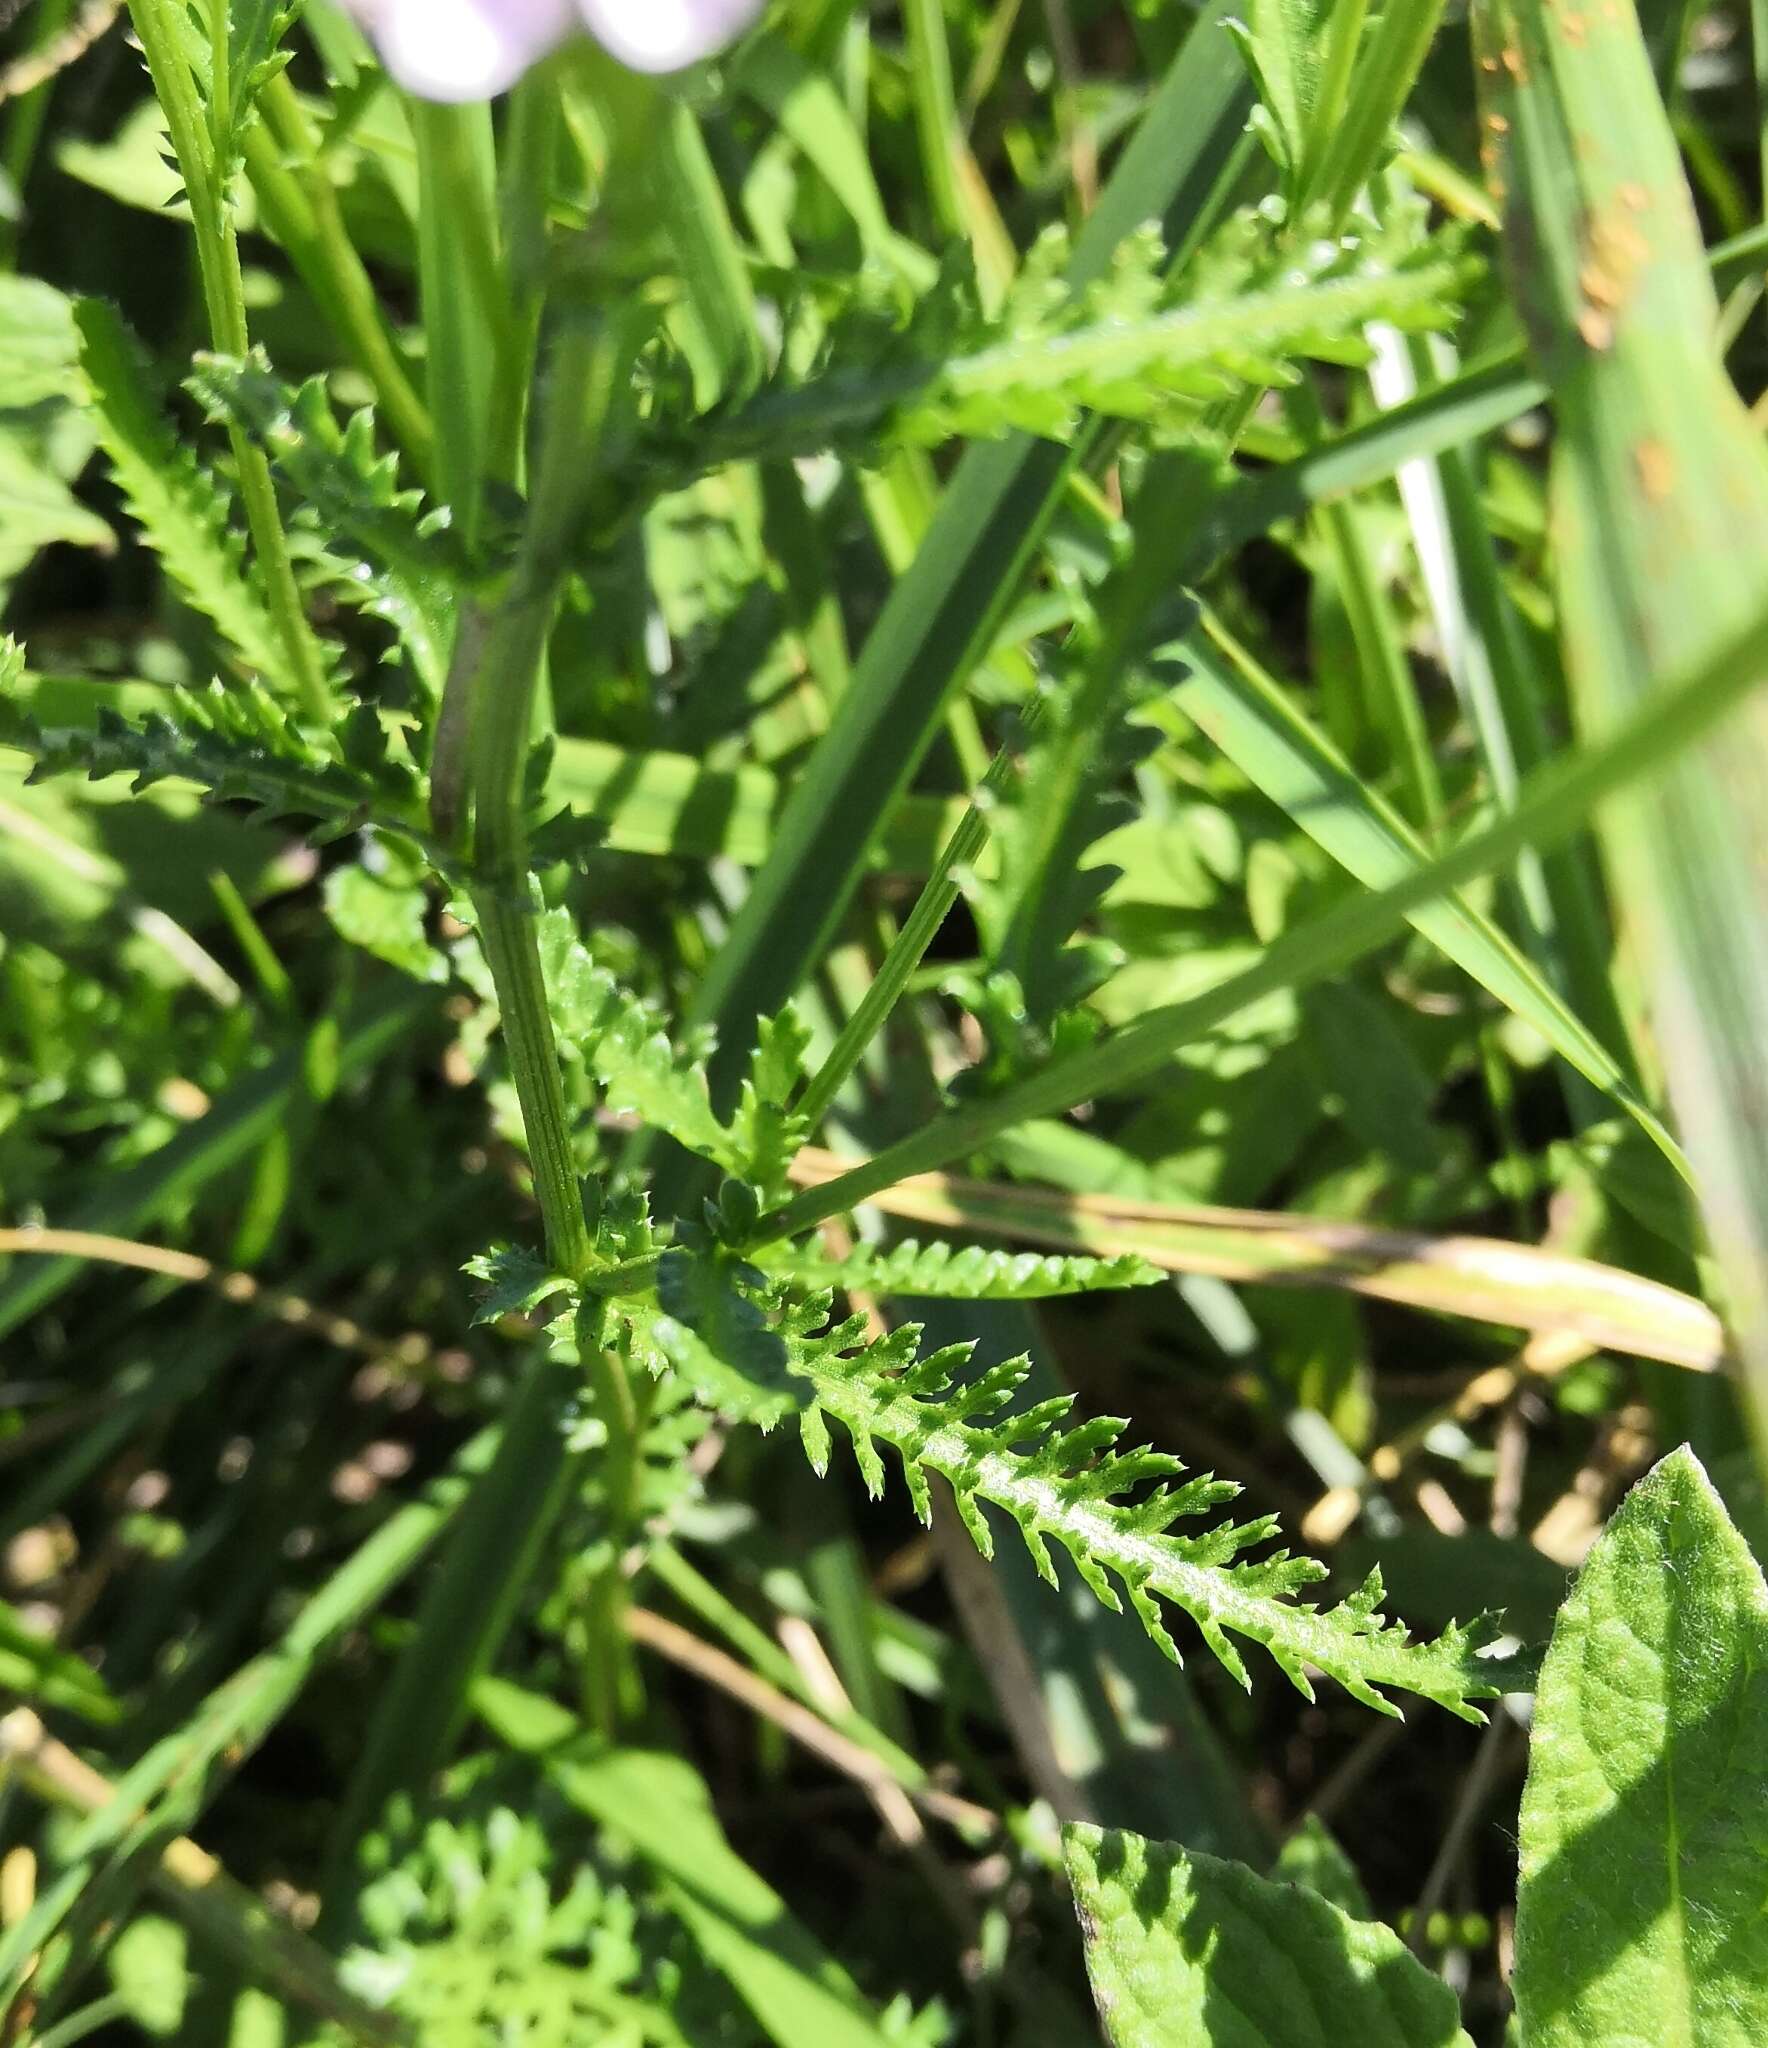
point(182, 511)
point(235, 744)
point(970, 1272)
point(1112, 1510)
point(799, 1994)
point(409, 564)
point(624, 1044)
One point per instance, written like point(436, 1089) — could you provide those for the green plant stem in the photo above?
point(936, 114)
point(467, 320)
point(225, 301)
point(586, 374)
point(300, 205)
point(526, 173)
point(1343, 47)
point(500, 685)
point(1383, 82)
point(909, 948)
point(506, 929)
point(1552, 803)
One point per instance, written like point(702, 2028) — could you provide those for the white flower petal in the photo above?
point(663, 35)
point(462, 49)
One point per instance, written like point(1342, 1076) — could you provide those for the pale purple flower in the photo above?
point(473, 49)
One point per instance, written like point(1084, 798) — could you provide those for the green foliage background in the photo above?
point(784, 858)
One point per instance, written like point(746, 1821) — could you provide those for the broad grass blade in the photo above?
point(1660, 511)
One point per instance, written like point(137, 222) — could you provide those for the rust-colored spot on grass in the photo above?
point(1615, 252)
point(1657, 469)
point(1597, 327)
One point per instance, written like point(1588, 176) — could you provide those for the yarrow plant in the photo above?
point(763, 744)
point(475, 49)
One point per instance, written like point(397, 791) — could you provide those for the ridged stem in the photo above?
point(225, 302)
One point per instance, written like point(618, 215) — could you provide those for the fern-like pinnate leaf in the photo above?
point(765, 1131)
point(237, 745)
point(1144, 343)
point(254, 56)
point(947, 1272)
point(181, 509)
point(1070, 1486)
point(1138, 347)
point(712, 1327)
point(346, 490)
point(624, 1044)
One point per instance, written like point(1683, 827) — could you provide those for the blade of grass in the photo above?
point(166, 1791)
point(1659, 503)
point(1253, 722)
point(1486, 1280)
point(237, 1123)
point(919, 930)
point(1559, 908)
point(658, 1804)
point(463, 299)
point(221, 1911)
point(944, 612)
point(1554, 803)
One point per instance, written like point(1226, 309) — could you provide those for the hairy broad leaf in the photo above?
point(1312, 1856)
point(1186, 1951)
point(1645, 1817)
